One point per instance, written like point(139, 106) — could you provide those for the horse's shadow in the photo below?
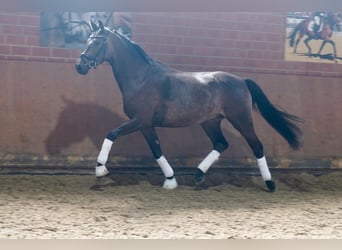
point(86, 120)
point(79, 121)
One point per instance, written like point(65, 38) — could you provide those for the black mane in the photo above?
point(132, 45)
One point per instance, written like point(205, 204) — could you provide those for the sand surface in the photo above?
point(136, 207)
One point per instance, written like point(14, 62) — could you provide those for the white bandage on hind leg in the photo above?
point(265, 172)
point(165, 167)
point(105, 149)
point(209, 160)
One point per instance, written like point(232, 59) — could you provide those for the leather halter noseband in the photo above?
point(91, 61)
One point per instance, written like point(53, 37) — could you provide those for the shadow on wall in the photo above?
point(88, 120)
point(85, 120)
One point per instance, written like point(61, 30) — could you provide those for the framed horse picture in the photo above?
point(314, 37)
point(71, 29)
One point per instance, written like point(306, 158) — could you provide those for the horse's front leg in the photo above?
point(306, 41)
point(126, 128)
point(153, 141)
point(297, 42)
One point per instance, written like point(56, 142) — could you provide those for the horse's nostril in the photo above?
point(81, 69)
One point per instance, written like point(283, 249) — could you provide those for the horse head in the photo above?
point(95, 53)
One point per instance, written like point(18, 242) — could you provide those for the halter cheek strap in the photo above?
point(91, 61)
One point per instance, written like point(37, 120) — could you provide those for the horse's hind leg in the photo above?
point(334, 48)
point(322, 46)
point(213, 129)
point(332, 44)
point(153, 141)
point(246, 129)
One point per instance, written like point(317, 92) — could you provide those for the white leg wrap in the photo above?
point(103, 157)
point(209, 160)
point(170, 183)
point(105, 149)
point(165, 167)
point(101, 171)
point(168, 172)
point(265, 172)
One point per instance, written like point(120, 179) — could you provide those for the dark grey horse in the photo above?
point(155, 95)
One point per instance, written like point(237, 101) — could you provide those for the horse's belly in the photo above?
point(182, 116)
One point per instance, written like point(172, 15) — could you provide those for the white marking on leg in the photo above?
point(168, 172)
point(105, 149)
point(103, 157)
point(265, 172)
point(165, 167)
point(101, 171)
point(209, 161)
point(170, 183)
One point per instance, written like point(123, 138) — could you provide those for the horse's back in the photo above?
point(178, 98)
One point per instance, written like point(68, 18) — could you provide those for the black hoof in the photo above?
point(199, 177)
point(271, 185)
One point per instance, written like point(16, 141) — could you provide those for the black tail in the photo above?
point(292, 36)
point(281, 121)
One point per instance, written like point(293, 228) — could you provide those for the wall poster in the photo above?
point(314, 37)
point(71, 29)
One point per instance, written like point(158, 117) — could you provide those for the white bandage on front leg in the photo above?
point(170, 181)
point(165, 167)
point(105, 149)
point(209, 161)
point(265, 172)
point(103, 157)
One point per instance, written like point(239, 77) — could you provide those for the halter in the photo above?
point(91, 61)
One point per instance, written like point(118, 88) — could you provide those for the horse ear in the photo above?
point(101, 25)
point(93, 26)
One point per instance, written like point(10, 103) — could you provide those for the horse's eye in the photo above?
point(96, 42)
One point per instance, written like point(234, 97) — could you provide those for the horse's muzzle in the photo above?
point(81, 67)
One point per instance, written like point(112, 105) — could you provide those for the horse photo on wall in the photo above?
point(71, 29)
point(314, 35)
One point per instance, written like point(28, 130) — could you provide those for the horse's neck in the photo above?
point(129, 70)
point(127, 80)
